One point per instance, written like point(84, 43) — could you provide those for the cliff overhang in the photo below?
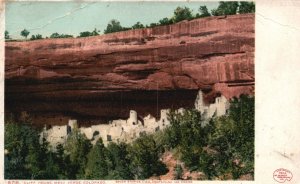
point(96, 79)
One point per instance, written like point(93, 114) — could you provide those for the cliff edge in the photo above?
point(100, 78)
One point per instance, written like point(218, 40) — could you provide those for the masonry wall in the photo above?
point(130, 129)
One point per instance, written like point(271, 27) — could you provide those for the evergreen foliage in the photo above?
point(25, 157)
point(138, 25)
point(24, 33)
point(226, 8)
point(114, 26)
point(246, 7)
point(118, 156)
point(218, 147)
point(203, 12)
point(179, 14)
point(165, 21)
point(97, 167)
point(6, 35)
point(77, 148)
point(95, 32)
point(223, 145)
point(144, 155)
point(182, 13)
point(57, 35)
point(36, 37)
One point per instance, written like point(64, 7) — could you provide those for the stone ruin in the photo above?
point(131, 128)
point(218, 108)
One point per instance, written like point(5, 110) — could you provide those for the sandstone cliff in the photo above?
point(103, 77)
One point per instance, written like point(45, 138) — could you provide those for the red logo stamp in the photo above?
point(281, 175)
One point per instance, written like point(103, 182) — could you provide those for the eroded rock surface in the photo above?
point(96, 79)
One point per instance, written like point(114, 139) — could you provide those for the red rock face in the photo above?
point(103, 77)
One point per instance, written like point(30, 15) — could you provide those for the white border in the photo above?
point(2, 28)
point(277, 89)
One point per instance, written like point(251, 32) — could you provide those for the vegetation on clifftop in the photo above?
point(179, 14)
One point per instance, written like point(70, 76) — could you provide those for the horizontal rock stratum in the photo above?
point(101, 78)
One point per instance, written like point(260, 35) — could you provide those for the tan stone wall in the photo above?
point(130, 129)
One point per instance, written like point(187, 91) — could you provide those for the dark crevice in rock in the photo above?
point(204, 33)
point(208, 56)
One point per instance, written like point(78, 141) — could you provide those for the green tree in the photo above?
point(203, 12)
point(113, 26)
point(144, 155)
point(215, 12)
point(37, 158)
point(54, 35)
point(52, 169)
point(217, 146)
point(6, 35)
point(25, 157)
point(182, 13)
point(61, 162)
point(67, 36)
point(192, 136)
point(57, 35)
point(36, 37)
point(246, 7)
point(119, 162)
point(77, 148)
point(242, 112)
point(152, 25)
point(95, 32)
point(97, 167)
point(138, 25)
point(165, 21)
point(25, 33)
point(85, 34)
point(32, 37)
point(233, 138)
point(16, 152)
point(226, 8)
point(207, 164)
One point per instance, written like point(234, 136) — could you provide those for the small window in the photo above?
point(68, 129)
point(96, 133)
point(109, 138)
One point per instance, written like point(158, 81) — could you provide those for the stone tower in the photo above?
point(133, 120)
point(199, 103)
point(72, 124)
point(164, 117)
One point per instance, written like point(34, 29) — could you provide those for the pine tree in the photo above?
point(97, 167)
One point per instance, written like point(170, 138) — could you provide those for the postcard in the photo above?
point(149, 92)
